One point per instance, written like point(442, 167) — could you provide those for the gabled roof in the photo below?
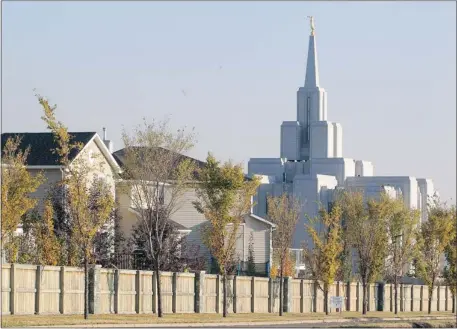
point(42, 144)
point(119, 155)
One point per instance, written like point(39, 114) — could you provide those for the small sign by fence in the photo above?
point(336, 302)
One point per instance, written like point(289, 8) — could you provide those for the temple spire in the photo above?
point(312, 71)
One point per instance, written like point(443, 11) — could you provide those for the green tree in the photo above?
point(224, 198)
point(435, 235)
point(17, 185)
point(366, 231)
point(90, 201)
point(283, 211)
point(403, 228)
point(251, 258)
point(450, 271)
point(322, 253)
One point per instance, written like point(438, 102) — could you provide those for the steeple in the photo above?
point(312, 71)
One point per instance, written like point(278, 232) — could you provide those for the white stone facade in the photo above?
point(311, 164)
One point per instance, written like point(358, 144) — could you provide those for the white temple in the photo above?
point(311, 165)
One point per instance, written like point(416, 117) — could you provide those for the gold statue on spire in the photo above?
point(311, 24)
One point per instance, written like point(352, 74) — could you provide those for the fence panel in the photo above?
point(6, 288)
point(243, 294)
point(210, 293)
point(275, 297)
point(185, 292)
point(261, 295)
point(308, 296)
point(229, 294)
point(126, 292)
point(106, 292)
point(166, 280)
point(442, 298)
point(147, 292)
point(50, 290)
point(74, 290)
point(296, 296)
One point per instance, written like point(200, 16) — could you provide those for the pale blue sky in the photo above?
point(389, 69)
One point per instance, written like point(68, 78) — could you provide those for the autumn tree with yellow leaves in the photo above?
point(17, 185)
point(436, 234)
point(224, 198)
point(322, 251)
point(283, 211)
point(90, 201)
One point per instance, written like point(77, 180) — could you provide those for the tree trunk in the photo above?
point(224, 294)
point(396, 295)
point(430, 296)
point(281, 284)
point(364, 298)
point(326, 308)
point(159, 290)
point(86, 288)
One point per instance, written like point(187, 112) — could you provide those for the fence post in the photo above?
point(199, 305)
point(174, 287)
point(270, 295)
point(218, 293)
point(412, 298)
point(234, 300)
point(116, 291)
point(154, 292)
point(38, 279)
point(139, 292)
point(287, 294)
point(253, 294)
point(62, 290)
point(421, 306)
point(13, 288)
point(94, 289)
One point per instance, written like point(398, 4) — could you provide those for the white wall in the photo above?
point(407, 184)
point(341, 168)
point(266, 166)
point(290, 140)
point(363, 168)
point(337, 140)
point(321, 140)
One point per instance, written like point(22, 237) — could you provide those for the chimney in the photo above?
point(108, 143)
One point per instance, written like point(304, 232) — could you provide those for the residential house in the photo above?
point(42, 159)
point(190, 222)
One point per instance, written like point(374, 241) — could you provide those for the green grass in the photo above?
point(113, 319)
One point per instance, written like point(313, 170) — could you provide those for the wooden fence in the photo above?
point(30, 289)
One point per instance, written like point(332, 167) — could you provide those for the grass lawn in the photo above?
point(113, 319)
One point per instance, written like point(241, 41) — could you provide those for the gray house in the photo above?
point(190, 222)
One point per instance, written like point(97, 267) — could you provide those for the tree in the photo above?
point(366, 232)
point(47, 245)
point(435, 235)
point(90, 202)
point(17, 185)
point(402, 230)
point(156, 176)
point(180, 255)
point(322, 254)
point(283, 211)
point(224, 197)
point(251, 259)
point(450, 271)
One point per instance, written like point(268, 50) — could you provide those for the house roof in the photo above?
point(42, 144)
point(120, 156)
